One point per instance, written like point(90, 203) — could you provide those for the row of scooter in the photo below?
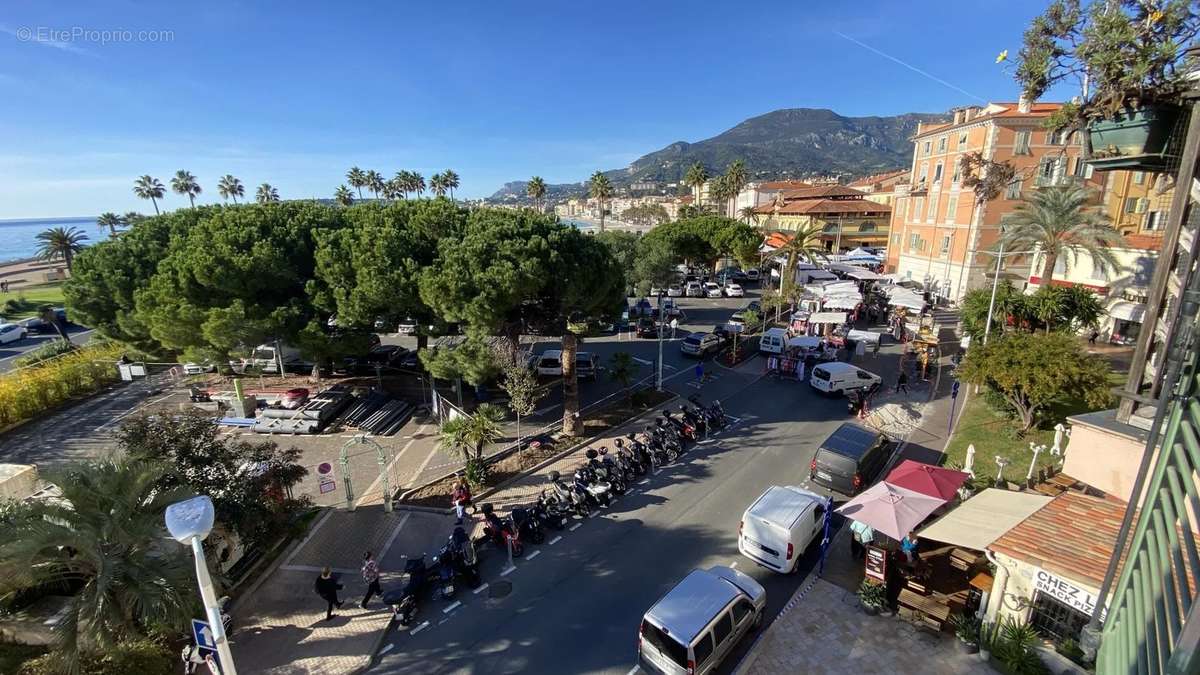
point(594, 484)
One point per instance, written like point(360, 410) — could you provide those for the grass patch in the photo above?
point(13, 655)
point(24, 302)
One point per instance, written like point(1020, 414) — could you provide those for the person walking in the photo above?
point(674, 326)
point(1092, 338)
point(461, 499)
point(902, 383)
point(327, 587)
point(370, 575)
point(699, 371)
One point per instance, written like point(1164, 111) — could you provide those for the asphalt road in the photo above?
point(576, 606)
point(13, 350)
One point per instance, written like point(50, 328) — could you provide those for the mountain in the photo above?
point(793, 142)
point(515, 191)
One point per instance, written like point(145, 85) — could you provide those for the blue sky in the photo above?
point(296, 93)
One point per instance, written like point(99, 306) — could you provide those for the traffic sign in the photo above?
point(205, 640)
point(954, 390)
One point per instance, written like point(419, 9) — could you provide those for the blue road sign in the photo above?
point(205, 640)
point(954, 390)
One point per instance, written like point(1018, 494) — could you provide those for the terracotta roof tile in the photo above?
point(783, 185)
point(869, 181)
point(830, 206)
point(1072, 536)
point(1145, 242)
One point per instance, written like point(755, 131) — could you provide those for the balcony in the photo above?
point(1056, 181)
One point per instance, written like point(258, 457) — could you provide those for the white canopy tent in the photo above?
point(804, 341)
point(841, 302)
point(984, 518)
point(827, 317)
point(863, 275)
point(863, 335)
point(909, 301)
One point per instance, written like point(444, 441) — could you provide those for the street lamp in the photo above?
point(189, 522)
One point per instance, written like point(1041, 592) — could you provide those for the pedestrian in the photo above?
point(800, 369)
point(902, 383)
point(460, 498)
point(327, 587)
point(909, 548)
point(699, 371)
point(875, 345)
point(860, 348)
point(674, 326)
point(370, 575)
point(1091, 338)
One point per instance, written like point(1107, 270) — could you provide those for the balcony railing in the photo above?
point(1056, 181)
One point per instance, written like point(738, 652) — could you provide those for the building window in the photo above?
point(1058, 136)
point(1153, 221)
point(924, 173)
point(895, 239)
point(957, 175)
point(928, 147)
point(913, 242)
point(937, 173)
point(1131, 204)
point(942, 144)
point(951, 208)
point(1055, 620)
point(1021, 144)
point(866, 226)
point(962, 140)
point(945, 246)
point(832, 227)
point(1013, 191)
point(1139, 177)
point(918, 209)
point(1080, 167)
point(933, 202)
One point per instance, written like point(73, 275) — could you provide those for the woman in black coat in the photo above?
point(327, 587)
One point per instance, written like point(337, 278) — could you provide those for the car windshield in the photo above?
point(694, 341)
point(264, 354)
point(665, 644)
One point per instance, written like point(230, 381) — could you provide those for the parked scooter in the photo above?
point(694, 418)
point(668, 436)
point(685, 428)
point(457, 559)
point(406, 601)
point(714, 414)
point(598, 493)
point(501, 531)
point(628, 461)
point(528, 525)
point(551, 511)
point(191, 655)
point(607, 470)
point(573, 497)
point(642, 452)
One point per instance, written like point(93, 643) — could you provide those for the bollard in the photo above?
point(508, 542)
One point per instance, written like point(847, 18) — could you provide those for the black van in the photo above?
point(849, 459)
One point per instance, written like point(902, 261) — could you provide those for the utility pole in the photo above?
point(987, 328)
point(660, 342)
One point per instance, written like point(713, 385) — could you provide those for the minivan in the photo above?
point(550, 364)
point(839, 377)
point(849, 459)
point(773, 341)
point(780, 526)
point(692, 628)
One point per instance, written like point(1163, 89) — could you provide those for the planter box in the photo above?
point(1144, 138)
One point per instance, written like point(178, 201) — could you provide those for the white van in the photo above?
point(773, 341)
point(780, 525)
point(838, 377)
point(692, 628)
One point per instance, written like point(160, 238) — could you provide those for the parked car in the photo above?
point(647, 328)
point(699, 344)
point(195, 368)
point(694, 289)
point(849, 459)
point(587, 366)
point(675, 291)
point(712, 289)
point(738, 324)
point(752, 274)
point(549, 364)
point(753, 305)
point(692, 628)
point(780, 526)
point(733, 290)
point(642, 308)
point(839, 377)
point(773, 341)
point(656, 291)
point(408, 326)
point(11, 333)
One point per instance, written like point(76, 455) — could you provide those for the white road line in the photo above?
point(533, 555)
point(395, 533)
point(556, 540)
point(643, 481)
point(508, 571)
point(593, 515)
point(481, 589)
point(576, 526)
point(658, 472)
point(395, 458)
point(451, 608)
point(387, 649)
point(633, 671)
point(733, 564)
point(418, 629)
point(443, 621)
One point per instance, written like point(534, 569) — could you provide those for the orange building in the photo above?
point(939, 235)
point(847, 218)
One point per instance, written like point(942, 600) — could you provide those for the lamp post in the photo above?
point(659, 385)
point(189, 522)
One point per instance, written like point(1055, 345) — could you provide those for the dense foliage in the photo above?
point(30, 391)
point(1070, 309)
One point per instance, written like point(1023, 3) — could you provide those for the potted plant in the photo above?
point(872, 595)
point(966, 629)
point(988, 633)
point(1128, 59)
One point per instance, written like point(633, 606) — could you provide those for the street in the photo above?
point(12, 351)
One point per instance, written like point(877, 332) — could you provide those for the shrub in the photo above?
point(30, 391)
point(46, 352)
point(140, 655)
point(1016, 648)
point(872, 593)
point(477, 472)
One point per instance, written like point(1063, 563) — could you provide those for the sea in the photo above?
point(18, 238)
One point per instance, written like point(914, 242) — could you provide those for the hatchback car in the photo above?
point(656, 291)
point(733, 290)
point(674, 291)
point(11, 332)
point(586, 366)
point(712, 289)
point(407, 327)
point(694, 289)
point(699, 344)
point(752, 274)
point(647, 328)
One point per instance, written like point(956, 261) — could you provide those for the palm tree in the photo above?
point(391, 189)
point(1061, 222)
point(357, 179)
point(61, 242)
point(399, 184)
point(149, 188)
point(132, 218)
point(374, 182)
point(466, 435)
point(600, 189)
point(266, 194)
point(105, 536)
point(748, 214)
point(109, 221)
point(230, 188)
point(1047, 305)
point(418, 183)
point(696, 177)
point(805, 243)
point(735, 180)
point(536, 189)
point(185, 183)
point(621, 370)
point(451, 180)
point(343, 196)
point(437, 185)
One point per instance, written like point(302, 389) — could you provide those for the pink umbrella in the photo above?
point(892, 510)
point(927, 479)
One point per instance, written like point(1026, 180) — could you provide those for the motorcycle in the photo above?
point(641, 451)
point(668, 438)
point(501, 532)
point(694, 418)
point(606, 470)
point(191, 655)
point(597, 493)
point(551, 510)
point(573, 498)
point(628, 461)
point(457, 559)
point(713, 414)
point(528, 525)
point(684, 428)
point(406, 601)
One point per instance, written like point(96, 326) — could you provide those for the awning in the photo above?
point(842, 302)
point(804, 341)
point(909, 301)
point(863, 336)
point(827, 317)
point(1128, 311)
point(984, 518)
point(863, 275)
point(819, 275)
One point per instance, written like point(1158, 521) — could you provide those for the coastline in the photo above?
point(593, 224)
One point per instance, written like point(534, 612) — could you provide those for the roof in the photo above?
point(850, 440)
point(783, 185)
point(830, 206)
point(1146, 242)
point(822, 191)
point(994, 111)
point(782, 505)
point(984, 518)
point(1107, 421)
point(686, 609)
point(1072, 536)
point(899, 175)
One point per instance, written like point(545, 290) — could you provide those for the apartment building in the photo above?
point(939, 235)
point(881, 187)
point(847, 218)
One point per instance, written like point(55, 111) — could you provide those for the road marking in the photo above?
point(386, 649)
point(509, 571)
point(556, 540)
point(533, 555)
point(594, 514)
point(658, 472)
point(418, 629)
point(127, 413)
point(644, 362)
point(481, 589)
point(395, 458)
point(643, 481)
point(733, 564)
point(451, 608)
point(576, 526)
point(443, 621)
point(633, 671)
point(395, 533)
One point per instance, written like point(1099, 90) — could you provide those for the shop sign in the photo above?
point(876, 563)
point(1064, 591)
